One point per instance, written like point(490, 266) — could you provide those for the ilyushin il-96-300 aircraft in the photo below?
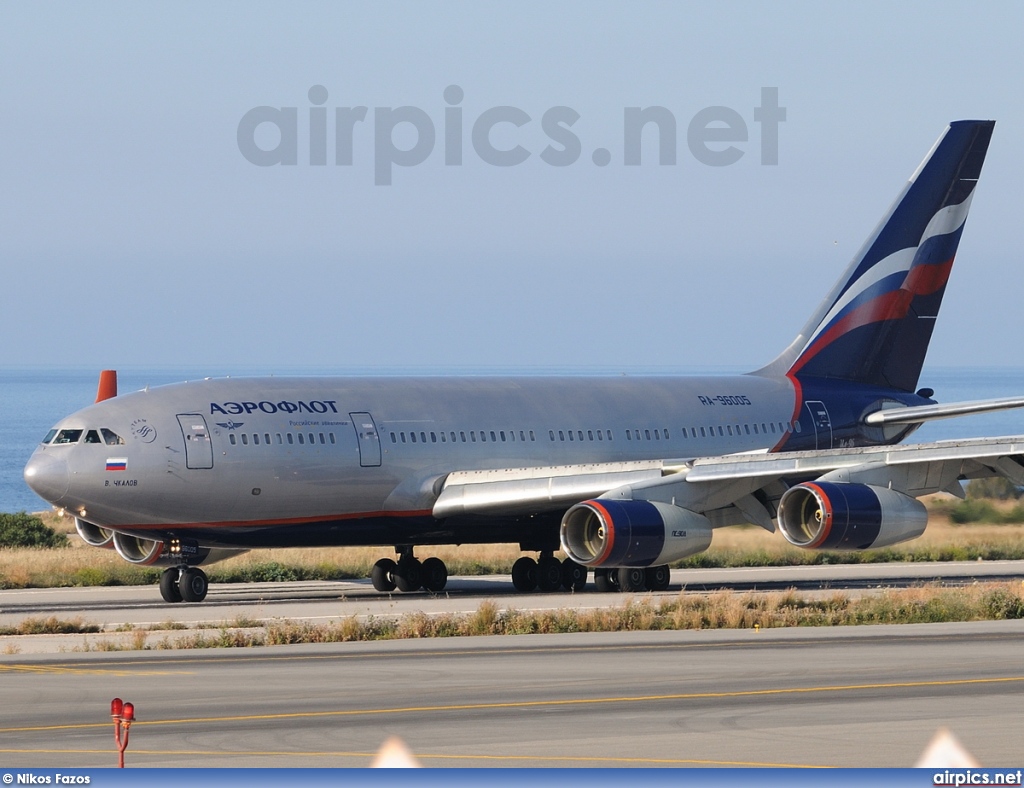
point(625, 474)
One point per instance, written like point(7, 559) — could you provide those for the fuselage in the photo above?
point(284, 461)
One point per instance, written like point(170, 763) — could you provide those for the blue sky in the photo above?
point(133, 232)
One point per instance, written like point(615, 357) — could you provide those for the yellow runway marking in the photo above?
point(72, 671)
point(532, 704)
point(580, 759)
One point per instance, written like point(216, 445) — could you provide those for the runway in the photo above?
point(853, 696)
point(141, 606)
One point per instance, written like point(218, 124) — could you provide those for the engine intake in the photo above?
point(94, 535)
point(845, 516)
point(613, 533)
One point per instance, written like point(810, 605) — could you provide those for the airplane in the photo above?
point(624, 474)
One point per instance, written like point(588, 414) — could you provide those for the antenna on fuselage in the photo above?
point(107, 388)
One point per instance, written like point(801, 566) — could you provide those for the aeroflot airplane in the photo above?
point(626, 474)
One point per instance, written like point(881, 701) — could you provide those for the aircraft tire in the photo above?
point(169, 585)
point(549, 574)
point(631, 579)
point(603, 580)
point(409, 575)
point(383, 575)
point(657, 577)
point(435, 575)
point(193, 584)
point(524, 575)
point(574, 576)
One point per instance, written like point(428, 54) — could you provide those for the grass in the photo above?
point(687, 611)
point(81, 565)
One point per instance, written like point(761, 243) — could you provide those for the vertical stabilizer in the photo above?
point(875, 325)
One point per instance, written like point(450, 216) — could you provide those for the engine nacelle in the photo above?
point(147, 552)
point(845, 516)
point(613, 533)
point(94, 535)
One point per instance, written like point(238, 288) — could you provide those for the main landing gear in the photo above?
point(548, 574)
point(630, 579)
point(184, 584)
point(408, 573)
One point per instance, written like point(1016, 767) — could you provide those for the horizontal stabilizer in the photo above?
point(922, 413)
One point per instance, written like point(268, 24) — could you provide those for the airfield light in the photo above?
point(123, 715)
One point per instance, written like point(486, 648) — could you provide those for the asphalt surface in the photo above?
point(848, 696)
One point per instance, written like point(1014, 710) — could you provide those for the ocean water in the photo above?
point(33, 400)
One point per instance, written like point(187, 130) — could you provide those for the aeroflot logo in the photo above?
point(270, 135)
point(285, 406)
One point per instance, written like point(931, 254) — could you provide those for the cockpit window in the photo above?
point(92, 437)
point(111, 438)
point(68, 436)
point(49, 436)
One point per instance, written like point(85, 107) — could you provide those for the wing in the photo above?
point(663, 510)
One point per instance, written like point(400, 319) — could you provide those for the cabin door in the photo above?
point(198, 448)
point(367, 439)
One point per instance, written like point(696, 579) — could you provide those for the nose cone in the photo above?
point(47, 476)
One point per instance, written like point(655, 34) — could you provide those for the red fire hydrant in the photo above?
point(123, 715)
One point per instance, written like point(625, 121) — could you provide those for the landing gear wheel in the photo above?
point(631, 579)
point(524, 575)
point(657, 577)
point(574, 576)
point(606, 580)
point(549, 574)
point(435, 575)
point(193, 584)
point(169, 585)
point(383, 575)
point(409, 576)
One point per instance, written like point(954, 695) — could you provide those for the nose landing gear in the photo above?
point(184, 584)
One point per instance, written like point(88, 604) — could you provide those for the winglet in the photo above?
point(108, 385)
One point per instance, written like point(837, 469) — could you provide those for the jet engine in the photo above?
point(136, 550)
point(846, 516)
point(614, 533)
point(94, 535)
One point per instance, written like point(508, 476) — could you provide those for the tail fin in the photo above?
point(874, 326)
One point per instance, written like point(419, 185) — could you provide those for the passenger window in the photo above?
point(256, 439)
point(245, 439)
point(423, 437)
point(413, 436)
point(472, 436)
point(433, 437)
point(493, 436)
point(561, 436)
point(534, 437)
point(394, 438)
point(463, 436)
point(92, 437)
point(647, 434)
point(322, 440)
point(302, 441)
point(231, 438)
point(291, 438)
point(729, 428)
point(502, 435)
